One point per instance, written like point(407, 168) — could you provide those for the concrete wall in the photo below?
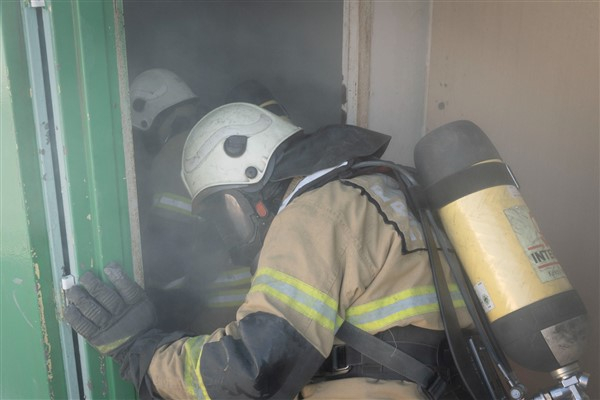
point(398, 74)
point(527, 74)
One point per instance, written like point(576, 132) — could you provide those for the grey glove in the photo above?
point(119, 323)
point(109, 319)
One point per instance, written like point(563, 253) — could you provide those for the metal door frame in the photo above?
point(356, 60)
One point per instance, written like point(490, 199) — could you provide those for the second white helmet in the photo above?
point(231, 148)
point(154, 91)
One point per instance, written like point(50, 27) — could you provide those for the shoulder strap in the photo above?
point(454, 335)
point(395, 359)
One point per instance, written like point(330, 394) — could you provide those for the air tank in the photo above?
point(537, 317)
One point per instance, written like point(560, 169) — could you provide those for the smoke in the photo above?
point(294, 48)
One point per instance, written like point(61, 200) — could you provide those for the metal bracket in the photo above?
point(36, 3)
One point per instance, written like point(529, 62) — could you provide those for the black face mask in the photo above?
point(242, 220)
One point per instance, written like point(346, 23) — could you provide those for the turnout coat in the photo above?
point(349, 250)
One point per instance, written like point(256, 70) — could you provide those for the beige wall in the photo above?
point(527, 74)
point(398, 73)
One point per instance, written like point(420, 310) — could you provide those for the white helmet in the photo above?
point(231, 148)
point(152, 92)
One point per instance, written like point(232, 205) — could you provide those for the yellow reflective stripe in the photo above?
point(378, 314)
point(301, 297)
point(194, 384)
point(111, 346)
point(338, 322)
point(173, 202)
point(376, 326)
point(177, 197)
point(232, 278)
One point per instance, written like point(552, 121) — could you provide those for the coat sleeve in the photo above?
point(260, 356)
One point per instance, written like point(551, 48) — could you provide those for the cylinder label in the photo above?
point(540, 255)
point(484, 297)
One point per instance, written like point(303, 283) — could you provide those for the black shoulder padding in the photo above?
point(329, 147)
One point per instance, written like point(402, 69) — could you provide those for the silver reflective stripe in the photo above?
point(228, 298)
point(299, 296)
point(378, 314)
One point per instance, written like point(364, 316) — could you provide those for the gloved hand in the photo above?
point(109, 319)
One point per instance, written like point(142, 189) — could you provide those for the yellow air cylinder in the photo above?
point(536, 316)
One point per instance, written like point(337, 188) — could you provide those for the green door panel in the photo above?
point(31, 365)
point(61, 84)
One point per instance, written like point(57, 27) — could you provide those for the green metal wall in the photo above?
point(59, 67)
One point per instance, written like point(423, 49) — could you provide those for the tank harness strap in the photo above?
point(398, 363)
point(469, 180)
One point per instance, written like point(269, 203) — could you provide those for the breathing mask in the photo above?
point(241, 219)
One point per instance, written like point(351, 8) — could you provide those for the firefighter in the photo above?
point(162, 106)
point(189, 275)
point(329, 246)
point(163, 110)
